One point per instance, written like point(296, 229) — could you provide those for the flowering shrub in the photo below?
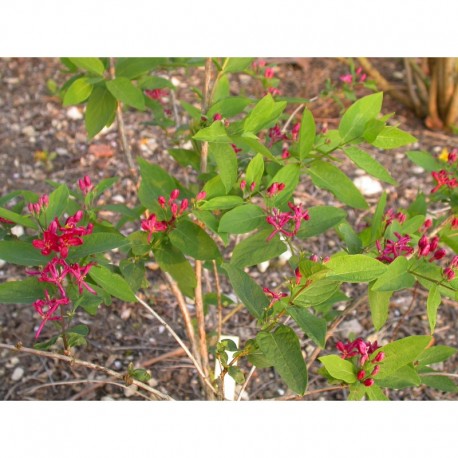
point(250, 163)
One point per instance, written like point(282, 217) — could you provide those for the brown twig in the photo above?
point(78, 362)
point(237, 309)
point(239, 397)
point(121, 129)
point(98, 383)
point(197, 365)
point(219, 328)
point(169, 355)
point(410, 86)
point(205, 104)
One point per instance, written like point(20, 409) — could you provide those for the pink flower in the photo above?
point(361, 375)
point(275, 188)
point(443, 179)
point(217, 117)
point(156, 94)
point(201, 195)
point(79, 273)
point(236, 150)
point(347, 78)
point(46, 308)
point(274, 91)
point(243, 185)
point(295, 130)
point(285, 154)
point(85, 184)
point(298, 275)
point(393, 249)
point(369, 382)
point(151, 225)
point(299, 215)
point(275, 135)
point(275, 296)
point(269, 72)
point(50, 240)
point(278, 220)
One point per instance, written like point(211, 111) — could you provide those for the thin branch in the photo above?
point(219, 328)
point(180, 342)
point(410, 86)
point(121, 129)
point(77, 382)
point(170, 354)
point(234, 311)
point(290, 119)
point(78, 362)
point(239, 397)
point(205, 104)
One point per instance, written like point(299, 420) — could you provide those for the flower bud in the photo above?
point(201, 195)
point(184, 205)
point(361, 375)
point(285, 153)
point(380, 357)
point(174, 194)
point(369, 382)
point(217, 117)
point(449, 273)
point(269, 72)
point(243, 185)
point(423, 242)
point(454, 262)
point(428, 223)
point(439, 254)
point(314, 258)
point(174, 209)
point(340, 346)
point(375, 371)
point(298, 274)
point(252, 186)
point(434, 243)
point(161, 200)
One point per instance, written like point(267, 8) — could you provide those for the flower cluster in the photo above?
point(394, 248)
point(292, 219)
point(363, 350)
point(59, 238)
point(153, 225)
point(430, 246)
point(275, 188)
point(442, 179)
point(360, 77)
point(449, 271)
point(275, 297)
point(37, 207)
point(276, 135)
point(391, 215)
point(58, 272)
point(85, 185)
point(158, 95)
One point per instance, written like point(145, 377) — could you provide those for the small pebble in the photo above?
point(2, 263)
point(29, 131)
point(117, 365)
point(367, 185)
point(74, 113)
point(18, 231)
point(17, 374)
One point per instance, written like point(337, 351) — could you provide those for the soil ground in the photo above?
point(33, 120)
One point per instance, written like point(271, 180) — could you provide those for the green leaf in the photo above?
point(133, 272)
point(242, 219)
point(22, 292)
point(283, 350)
point(357, 392)
point(374, 393)
point(256, 249)
point(142, 375)
point(236, 64)
point(306, 134)
point(354, 121)
point(354, 268)
point(439, 382)
point(313, 327)
point(124, 91)
point(186, 157)
point(112, 283)
point(254, 171)
point(366, 162)
point(395, 277)
point(216, 133)
point(289, 175)
point(229, 106)
point(100, 110)
point(46, 345)
point(373, 128)
point(172, 260)
point(155, 82)
point(317, 293)
point(435, 354)
point(339, 368)
point(78, 91)
point(132, 67)
point(379, 303)
point(404, 377)
point(249, 292)
point(88, 302)
point(58, 201)
point(22, 253)
point(376, 225)
point(226, 160)
point(236, 374)
point(352, 240)
point(91, 64)
point(327, 176)
point(222, 203)
point(425, 160)
point(16, 218)
point(99, 242)
point(392, 137)
point(155, 182)
point(264, 114)
point(250, 141)
point(321, 219)
point(221, 88)
point(401, 353)
point(432, 304)
point(193, 241)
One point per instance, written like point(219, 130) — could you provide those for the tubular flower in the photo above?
point(46, 308)
point(394, 248)
point(275, 296)
point(152, 225)
point(442, 179)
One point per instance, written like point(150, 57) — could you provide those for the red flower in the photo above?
point(151, 225)
point(275, 296)
point(47, 308)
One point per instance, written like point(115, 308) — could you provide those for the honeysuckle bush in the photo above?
point(258, 153)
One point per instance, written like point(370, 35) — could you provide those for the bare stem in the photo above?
point(180, 342)
point(78, 362)
point(219, 301)
point(239, 397)
point(121, 129)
